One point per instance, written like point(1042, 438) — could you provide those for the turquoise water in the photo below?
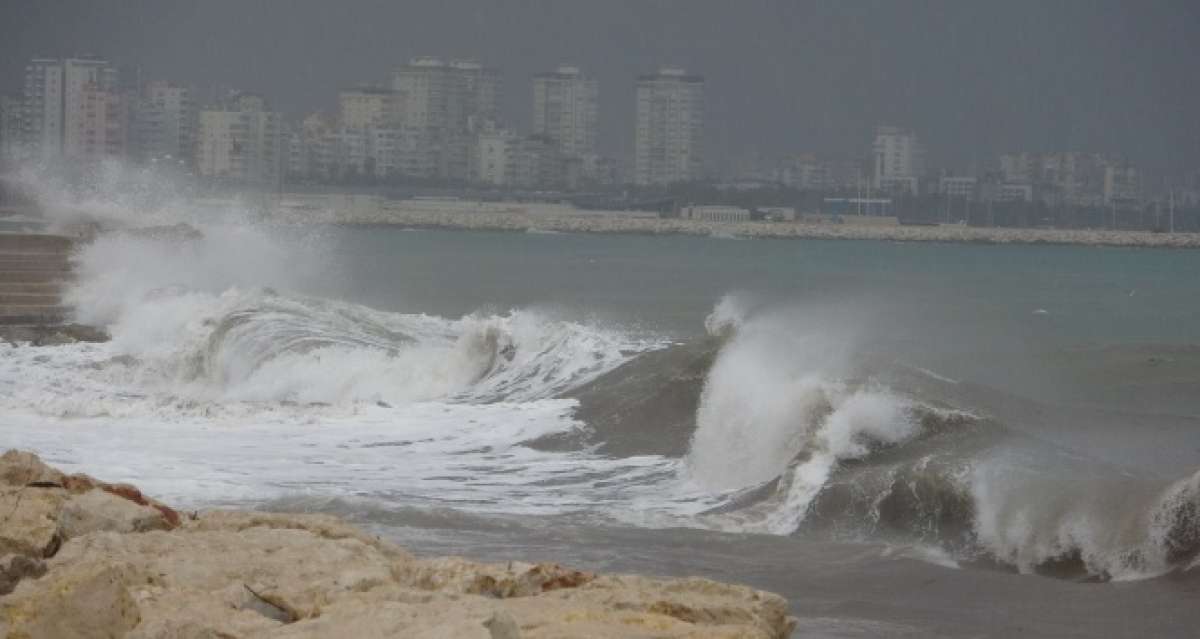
point(1012, 317)
point(1091, 295)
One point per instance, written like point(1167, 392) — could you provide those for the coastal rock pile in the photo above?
point(618, 223)
point(83, 558)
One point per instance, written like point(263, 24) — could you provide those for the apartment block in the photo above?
point(241, 141)
point(164, 124)
point(899, 160)
point(566, 110)
point(445, 104)
point(668, 139)
point(72, 110)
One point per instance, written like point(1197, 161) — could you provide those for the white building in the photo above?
point(669, 136)
point(566, 110)
point(1013, 192)
point(164, 124)
point(1122, 184)
point(370, 107)
point(962, 187)
point(10, 128)
point(899, 160)
point(715, 213)
point(1073, 178)
point(72, 110)
point(444, 105)
point(305, 149)
point(814, 172)
point(503, 158)
point(241, 142)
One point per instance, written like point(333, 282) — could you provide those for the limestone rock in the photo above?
point(29, 520)
point(124, 570)
point(323, 526)
point(14, 568)
point(98, 510)
point(20, 468)
point(516, 579)
point(83, 600)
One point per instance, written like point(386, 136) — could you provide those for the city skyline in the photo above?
point(974, 82)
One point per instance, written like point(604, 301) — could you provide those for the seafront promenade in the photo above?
point(563, 219)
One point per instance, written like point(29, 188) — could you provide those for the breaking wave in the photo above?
point(802, 444)
point(769, 424)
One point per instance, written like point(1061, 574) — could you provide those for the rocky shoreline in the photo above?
point(617, 223)
point(84, 558)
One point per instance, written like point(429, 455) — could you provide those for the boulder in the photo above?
point(99, 510)
point(125, 570)
point(20, 468)
point(29, 520)
point(82, 600)
point(14, 568)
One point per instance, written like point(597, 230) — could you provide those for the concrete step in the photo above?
point(28, 299)
point(35, 277)
point(34, 265)
point(7, 257)
point(13, 315)
point(34, 243)
point(39, 288)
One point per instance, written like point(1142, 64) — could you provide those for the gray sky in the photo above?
point(973, 78)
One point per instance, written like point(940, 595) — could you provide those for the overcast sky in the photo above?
point(973, 78)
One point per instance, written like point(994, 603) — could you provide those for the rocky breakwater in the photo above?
point(488, 220)
point(83, 558)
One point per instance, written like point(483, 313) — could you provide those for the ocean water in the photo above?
point(903, 439)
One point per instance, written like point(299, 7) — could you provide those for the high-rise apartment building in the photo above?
point(73, 110)
point(370, 107)
point(164, 124)
point(899, 160)
point(444, 105)
point(670, 128)
point(10, 128)
point(566, 110)
point(241, 141)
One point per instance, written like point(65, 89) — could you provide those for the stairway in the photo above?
point(33, 270)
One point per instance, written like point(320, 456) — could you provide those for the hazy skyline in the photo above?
point(973, 79)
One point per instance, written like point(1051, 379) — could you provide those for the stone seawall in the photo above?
point(80, 558)
point(618, 223)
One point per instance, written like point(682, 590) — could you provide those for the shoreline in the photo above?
point(84, 558)
point(618, 224)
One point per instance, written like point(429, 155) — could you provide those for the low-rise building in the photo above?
point(1122, 185)
point(962, 187)
point(715, 213)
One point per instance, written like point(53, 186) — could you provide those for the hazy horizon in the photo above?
point(974, 79)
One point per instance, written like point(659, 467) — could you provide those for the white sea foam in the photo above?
point(775, 405)
point(1117, 529)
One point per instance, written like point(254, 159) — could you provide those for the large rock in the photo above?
point(124, 571)
point(14, 568)
point(86, 599)
point(100, 510)
point(19, 468)
point(29, 520)
point(40, 508)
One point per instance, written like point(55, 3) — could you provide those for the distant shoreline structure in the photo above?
point(520, 217)
point(523, 218)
